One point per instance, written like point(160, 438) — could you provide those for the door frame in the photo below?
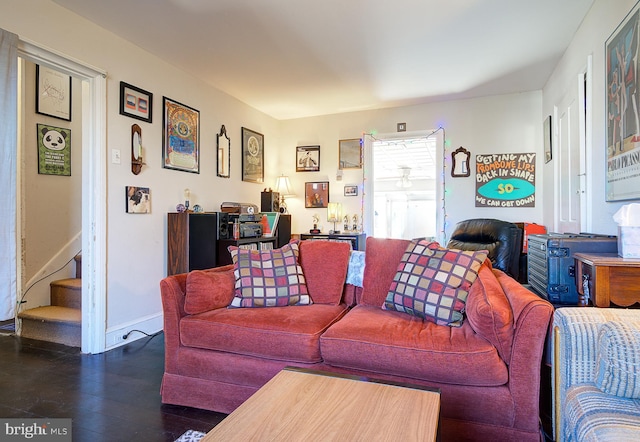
point(94, 185)
point(584, 84)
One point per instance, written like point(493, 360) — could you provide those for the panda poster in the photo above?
point(54, 150)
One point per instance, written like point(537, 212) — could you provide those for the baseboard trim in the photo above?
point(148, 324)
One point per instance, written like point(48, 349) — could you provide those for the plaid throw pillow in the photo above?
point(433, 283)
point(268, 278)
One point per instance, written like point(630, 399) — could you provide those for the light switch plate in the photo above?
point(115, 156)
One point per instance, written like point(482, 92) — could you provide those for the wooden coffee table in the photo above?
point(308, 405)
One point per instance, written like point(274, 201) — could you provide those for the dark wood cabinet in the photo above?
point(191, 241)
point(357, 240)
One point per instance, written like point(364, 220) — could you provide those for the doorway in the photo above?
point(93, 92)
point(573, 135)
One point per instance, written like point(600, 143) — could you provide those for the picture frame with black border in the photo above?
point(252, 156)
point(135, 102)
point(308, 159)
point(180, 136)
point(316, 194)
point(53, 93)
point(350, 190)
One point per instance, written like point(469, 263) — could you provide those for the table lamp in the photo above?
point(334, 215)
point(284, 188)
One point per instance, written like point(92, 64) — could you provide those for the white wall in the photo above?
point(499, 124)
point(136, 244)
point(590, 39)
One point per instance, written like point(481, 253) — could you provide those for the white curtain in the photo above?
point(8, 150)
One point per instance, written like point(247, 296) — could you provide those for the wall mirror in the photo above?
point(460, 162)
point(350, 154)
point(224, 151)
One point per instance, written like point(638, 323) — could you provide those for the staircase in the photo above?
point(61, 321)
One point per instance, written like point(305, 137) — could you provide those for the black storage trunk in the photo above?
point(551, 266)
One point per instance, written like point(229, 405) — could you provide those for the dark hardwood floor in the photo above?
point(113, 396)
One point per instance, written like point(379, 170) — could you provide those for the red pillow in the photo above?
point(209, 289)
point(325, 265)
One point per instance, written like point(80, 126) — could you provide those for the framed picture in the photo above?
point(547, 139)
point(53, 93)
point(252, 156)
point(180, 137)
point(350, 154)
point(308, 159)
point(135, 102)
point(138, 199)
point(316, 194)
point(54, 150)
point(350, 190)
point(622, 108)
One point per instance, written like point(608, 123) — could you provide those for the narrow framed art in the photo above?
point(54, 150)
point(252, 156)
point(180, 137)
point(53, 93)
point(136, 102)
point(622, 110)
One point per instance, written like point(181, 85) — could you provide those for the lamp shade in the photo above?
point(283, 186)
point(334, 212)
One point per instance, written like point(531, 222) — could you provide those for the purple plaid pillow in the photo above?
point(433, 282)
point(268, 278)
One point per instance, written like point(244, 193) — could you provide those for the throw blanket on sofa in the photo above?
point(355, 272)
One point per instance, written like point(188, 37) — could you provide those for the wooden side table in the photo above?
point(606, 278)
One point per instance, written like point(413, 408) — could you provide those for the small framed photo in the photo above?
point(316, 194)
point(252, 156)
point(180, 137)
point(138, 199)
point(308, 159)
point(350, 190)
point(53, 93)
point(54, 150)
point(135, 102)
point(350, 154)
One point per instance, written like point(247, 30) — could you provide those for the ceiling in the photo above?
point(298, 58)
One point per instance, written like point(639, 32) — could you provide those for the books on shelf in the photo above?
point(269, 223)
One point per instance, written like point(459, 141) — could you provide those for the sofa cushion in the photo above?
point(324, 264)
point(388, 342)
point(208, 289)
point(381, 262)
point(289, 333)
point(489, 312)
point(589, 414)
point(433, 282)
point(618, 359)
point(268, 278)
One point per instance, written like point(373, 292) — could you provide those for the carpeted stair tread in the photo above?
point(53, 313)
point(72, 283)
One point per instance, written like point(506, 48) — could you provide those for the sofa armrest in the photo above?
point(531, 316)
point(172, 292)
point(574, 345)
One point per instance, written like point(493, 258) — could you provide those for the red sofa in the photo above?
point(488, 370)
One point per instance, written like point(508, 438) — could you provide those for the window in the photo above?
point(402, 186)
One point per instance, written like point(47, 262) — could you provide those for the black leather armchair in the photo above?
point(502, 239)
